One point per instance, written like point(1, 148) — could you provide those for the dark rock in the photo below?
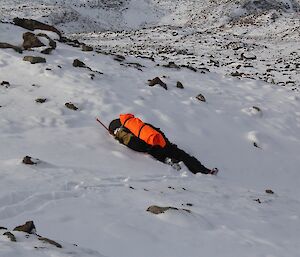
point(190, 67)
point(28, 227)
point(31, 41)
point(269, 191)
point(70, 42)
point(41, 100)
point(158, 81)
point(27, 160)
point(34, 59)
point(47, 50)
point(49, 241)
point(52, 43)
point(158, 210)
point(119, 58)
point(201, 97)
point(257, 200)
point(179, 85)
point(236, 74)
point(71, 106)
point(256, 145)
point(11, 236)
point(33, 24)
point(3, 228)
point(5, 84)
point(78, 63)
point(172, 65)
point(86, 48)
point(256, 108)
point(244, 57)
point(6, 46)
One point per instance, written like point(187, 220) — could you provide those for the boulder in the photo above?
point(52, 43)
point(31, 41)
point(78, 63)
point(40, 100)
point(179, 85)
point(11, 236)
point(34, 59)
point(158, 209)
point(86, 48)
point(31, 24)
point(269, 191)
point(16, 48)
point(71, 106)
point(27, 160)
point(47, 50)
point(201, 98)
point(158, 81)
point(28, 227)
point(5, 84)
point(49, 241)
point(172, 65)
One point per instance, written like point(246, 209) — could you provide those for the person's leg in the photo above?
point(190, 162)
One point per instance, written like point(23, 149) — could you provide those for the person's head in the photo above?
point(114, 125)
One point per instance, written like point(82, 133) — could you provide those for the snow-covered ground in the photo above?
point(89, 190)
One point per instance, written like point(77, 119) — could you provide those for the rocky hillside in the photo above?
point(61, 169)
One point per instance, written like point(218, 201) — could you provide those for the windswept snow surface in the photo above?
point(90, 190)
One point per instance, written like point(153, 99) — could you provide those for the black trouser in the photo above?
point(177, 155)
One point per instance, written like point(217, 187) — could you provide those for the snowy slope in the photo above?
point(91, 191)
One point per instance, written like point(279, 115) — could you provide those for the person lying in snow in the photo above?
point(143, 137)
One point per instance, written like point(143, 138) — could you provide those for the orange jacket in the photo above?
point(142, 130)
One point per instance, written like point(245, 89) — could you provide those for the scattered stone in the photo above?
point(179, 85)
point(47, 50)
point(236, 74)
point(11, 236)
point(16, 48)
point(78, 63)
point(70, 42)
point(256, 108)
point(269, 191)
point(41, 100)
point(86, 48)
point(49, 241)
point(52, 43)
point(256, 145)
point(189, 204)
point(201, 98)
point(190, 68)
point(158, 81)
point(33, 25)
point(71, 106)
point(244, 57)
point(31, 41)
point(257, 200)
point(119, 58)
point(27, 160)
point(131, 187)
point(158, 210)
point(34, 59)
point(172, 65)
point(171, 187)
point(5, 84)
point(28, 227)
point(3, 228)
